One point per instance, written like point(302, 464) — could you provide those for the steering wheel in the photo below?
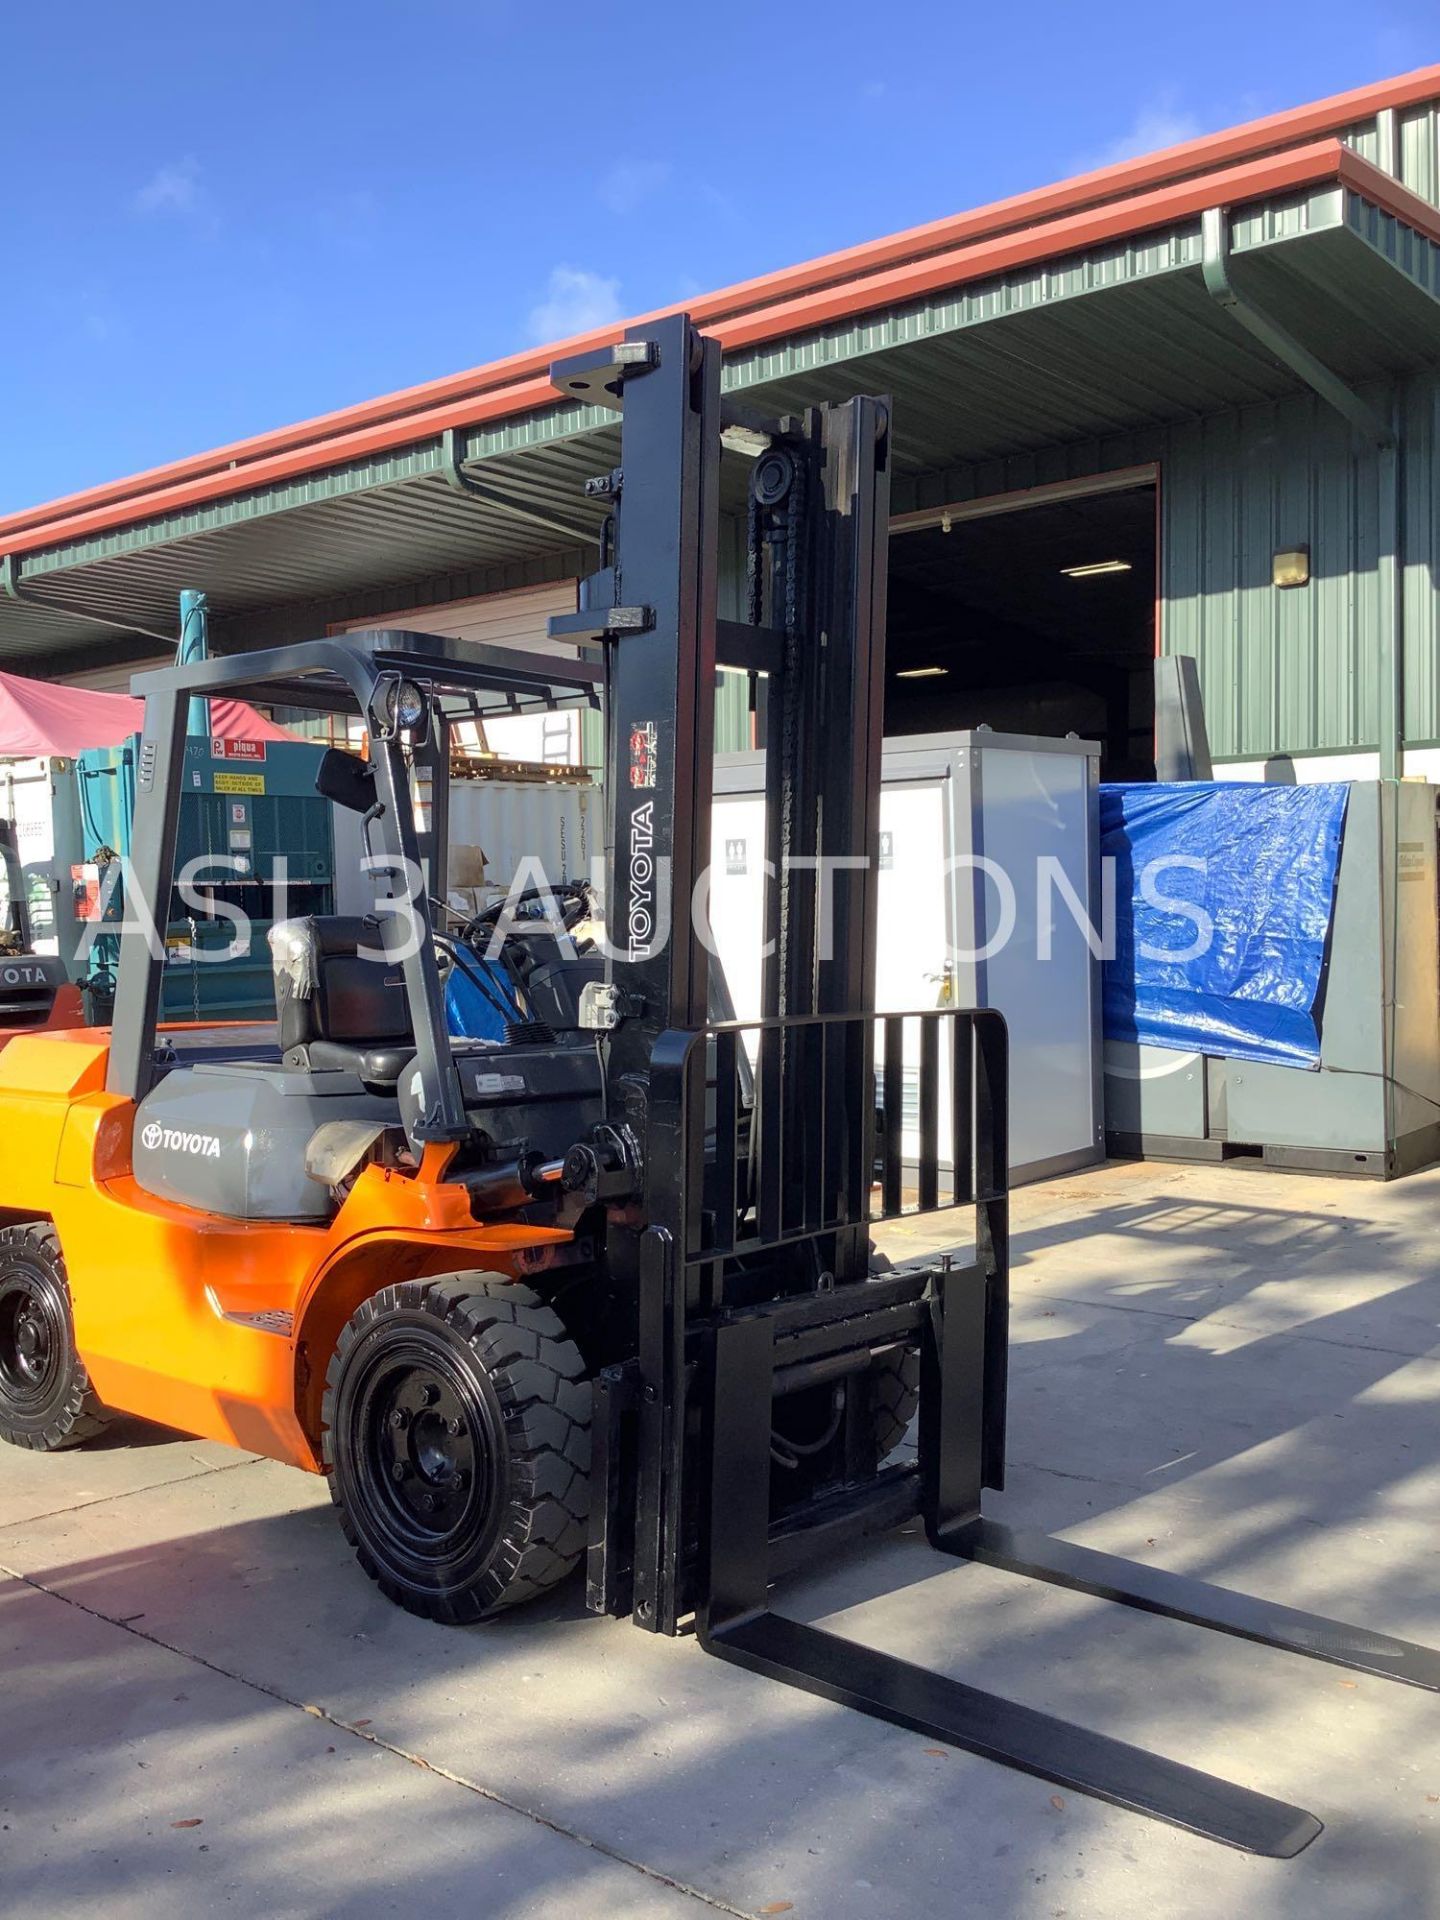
point(573, 897)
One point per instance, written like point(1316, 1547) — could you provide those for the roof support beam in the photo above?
point(1382, 433)
point(464, 482)
point(1215, 264)
point(12, 590)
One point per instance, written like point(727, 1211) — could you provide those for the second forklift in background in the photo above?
point(35, 990)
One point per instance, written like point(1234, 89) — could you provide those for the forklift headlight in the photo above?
point(404, 706)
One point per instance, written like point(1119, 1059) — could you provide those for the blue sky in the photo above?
point(221, 219)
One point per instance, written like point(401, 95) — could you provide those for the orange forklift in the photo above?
point(35, 990)
point(598, 1283)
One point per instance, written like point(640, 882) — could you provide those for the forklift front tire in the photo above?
point(457, 1436)
point(895, 1397)
point(46, 1400)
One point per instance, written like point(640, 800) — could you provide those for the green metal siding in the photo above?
point(1297, 670)
point(1421, 539)
point(732, 690)
point(732, 713)
point(1284, 670)
point(1416, 156)
point(1420, 152)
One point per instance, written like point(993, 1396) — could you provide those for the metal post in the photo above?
point(1389, 475)
point(442, 1105)
point(435, 841)
point(131, 1068)
point(855, 479)
point(195, 645)
point(661, 687)
point(850, 614)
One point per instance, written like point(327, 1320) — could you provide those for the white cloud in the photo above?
point(575, 300)
point(173, 188)
point(1161, 122)
point(629, 183)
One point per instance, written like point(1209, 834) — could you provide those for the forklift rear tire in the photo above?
point(46, 1400)
point(457, 1436)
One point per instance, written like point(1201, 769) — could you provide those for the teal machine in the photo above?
point(255, 846)
point(256, 840)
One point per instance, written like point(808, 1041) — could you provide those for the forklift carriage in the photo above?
point(601, 1286)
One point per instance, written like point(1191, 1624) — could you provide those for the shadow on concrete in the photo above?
point(1255, 1444)
point(128, 1431)
point(722, 1780)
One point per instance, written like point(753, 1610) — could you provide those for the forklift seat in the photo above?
point(334, 1007)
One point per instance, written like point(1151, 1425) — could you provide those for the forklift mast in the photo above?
point(747, 1161)
point(818, 510)
point(754, 1145)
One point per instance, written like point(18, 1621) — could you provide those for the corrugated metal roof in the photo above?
point(1062, 352)
point(1111, 339)
point(1244, 164)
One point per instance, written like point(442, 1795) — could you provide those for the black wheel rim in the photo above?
point(34, 1339)
point(424, 1444)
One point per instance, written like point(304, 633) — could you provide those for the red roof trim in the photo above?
point(1067, 217)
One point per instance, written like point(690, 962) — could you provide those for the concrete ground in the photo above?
point(205, 1708)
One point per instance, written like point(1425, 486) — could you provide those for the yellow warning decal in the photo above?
point(239, 783)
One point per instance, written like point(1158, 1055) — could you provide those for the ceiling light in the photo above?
point(1094, 567)
point(920, 673)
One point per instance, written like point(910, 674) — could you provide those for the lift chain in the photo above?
point(754, 570)
point(194, 933)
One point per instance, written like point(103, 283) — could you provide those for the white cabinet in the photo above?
point(988, 859)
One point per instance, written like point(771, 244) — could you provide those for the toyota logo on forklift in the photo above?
point(639, 1312)
point(154, 1137)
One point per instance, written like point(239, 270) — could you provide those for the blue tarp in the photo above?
point(1258, 864)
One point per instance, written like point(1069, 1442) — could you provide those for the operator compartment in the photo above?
point(233, 1137)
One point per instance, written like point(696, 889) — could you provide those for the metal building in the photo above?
point(1190, 403)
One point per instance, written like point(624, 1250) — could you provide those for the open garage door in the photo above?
point(1033, 614)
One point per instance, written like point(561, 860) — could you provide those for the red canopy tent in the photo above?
point(38, 719)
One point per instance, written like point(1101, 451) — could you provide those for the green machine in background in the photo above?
point(255, 839)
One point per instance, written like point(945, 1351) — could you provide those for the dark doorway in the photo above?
point(1040, 620)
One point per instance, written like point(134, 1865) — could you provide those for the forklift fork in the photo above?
point(737, 1624)
point(952, 1310)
